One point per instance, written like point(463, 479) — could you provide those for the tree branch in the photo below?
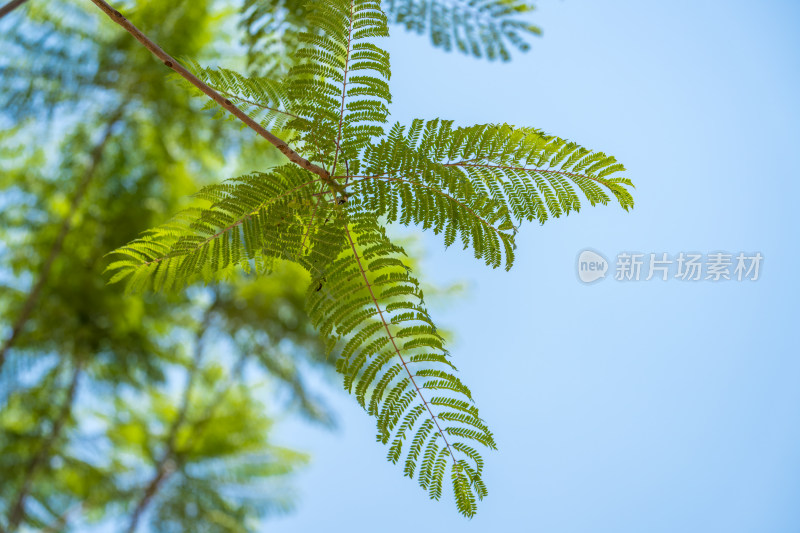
point(61, 520)
point(17, 512)
point(66, 225)
point(165, 465)
point(172, 63)
point(11, 6)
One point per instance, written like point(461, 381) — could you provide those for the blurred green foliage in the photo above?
point(130, 409)
point(183, 457)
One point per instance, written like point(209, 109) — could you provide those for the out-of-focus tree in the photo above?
point(96, 153)
point(127, 408)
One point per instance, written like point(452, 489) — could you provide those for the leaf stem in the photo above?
point(346, 70)
point(394, 344)
point(464, 164)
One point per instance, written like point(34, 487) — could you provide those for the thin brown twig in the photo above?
point(11, 6)
point(172, 63)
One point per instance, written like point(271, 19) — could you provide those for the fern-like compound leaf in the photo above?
point(251, 221)
point(366, 291)
point(340, 84)
point(475, 182)
point(473, 185)
point(482, 28)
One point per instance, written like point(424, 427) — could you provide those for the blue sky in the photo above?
point(618, 407)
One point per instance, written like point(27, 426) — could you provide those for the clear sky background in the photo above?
point(647, 406)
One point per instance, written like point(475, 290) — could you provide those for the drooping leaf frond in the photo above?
point(251, 219)
point(404, 186)
point(271, 34)
point(474, 185)
point(531, 172)
point(340, 85)
point(482, 28)
point(488, 173)
point(393, 358)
